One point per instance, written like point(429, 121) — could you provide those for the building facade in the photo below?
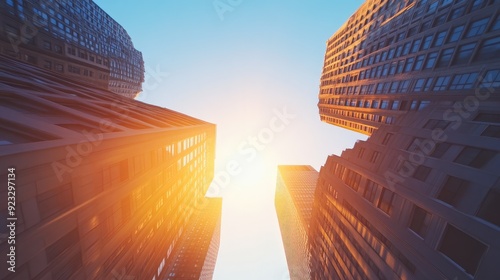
point(419, 199)
point(74, 39)
point(394, 57)
point(293, 201)
point(105, 186)
point(197, 254)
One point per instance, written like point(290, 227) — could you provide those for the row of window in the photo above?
point(352, 125)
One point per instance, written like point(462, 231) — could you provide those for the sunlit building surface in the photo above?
point(197, 254)
point(105, 185)
point(75, 39)
point(420, 198)
point(394, 57)
point(293, 201)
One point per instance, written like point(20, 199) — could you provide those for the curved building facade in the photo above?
point(75, 39)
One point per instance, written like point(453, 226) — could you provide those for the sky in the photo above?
point(252, 68)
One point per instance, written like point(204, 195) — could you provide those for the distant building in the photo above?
point(73, 39)
point(420, 198)
point(293, 200)
point(197, 254)
point(105, 185)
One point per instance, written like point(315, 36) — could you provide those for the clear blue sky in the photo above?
point(253, 69)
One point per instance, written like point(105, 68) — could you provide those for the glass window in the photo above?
point(491, 207)
point(492, 131)
point(419, 85)
point(384, 104)
point(436, 124)
point(431, 60)
point(463, 81)
point(456, 13)
point(414, 105)
point(464, 53)
point(419, 62)
point(409, 64)
point(421, 173)
point(400, 67)
point(476, 5)
point(445, 58)
point(423, 104)
point(385, 202)
point(403, 86)
point(440, 149)
point(455, 33)
point(394, 87)
point(488, 118)
point(490, 49)
point(370, 190)
point(441, 83)
point(453, 190)
point(427, 42)
point(440, 20)
point(416, 45)
point(496, 24)
point(419, 220)
point(474, 157)
point(491, 79)
point(468, 254)
point(439, 39)
point(477, 28)
point(395, 105)
point(406, 48)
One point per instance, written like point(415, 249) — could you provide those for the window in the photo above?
point(477, 28)
point(496, 24)
point(387, 138)
point(431, 60)
point(406, 48)
point(57, 49)
point(491, 207)
point(453, 190)
point(445, 58)
point(440, 20)
point(463, 81)
point(419, 221)
point(59, 67)
point(441, 83)
point(47, 64)
point(468, 254)
point(419, 85)
point(455, 33)
point(456, 13)
point(46, 45)
point(436, 124)
point(476, 5)
point(395, 105)
point(490, 49)
point(421, 173)
point(427, 42)
point(440, 149)
point(474, 157)
point(385, 202)
point(394, 87)
point(414, 105)
point(439, 39)
point(416, 45)
point(400, 67)
point(492, 131)
point(409, 64)
point(361, 152)
point(419, 62)
point(464, 53)
point(370, 190)
point(403, 86)
point(375, 156)
point(423, 104)
point(384, 104)
point(489, 118)
point(491, 79)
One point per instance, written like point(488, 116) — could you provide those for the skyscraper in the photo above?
point(294, 198)
point(418, 199)
point(75, 39)
point(196, 255)
point(392, 57)
point(104, 186)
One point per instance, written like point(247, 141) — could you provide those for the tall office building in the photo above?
point(392, 57)
point(105, 186)
point(197, 253)
point(420, 198)
point(75, 39)
point(294, 198)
